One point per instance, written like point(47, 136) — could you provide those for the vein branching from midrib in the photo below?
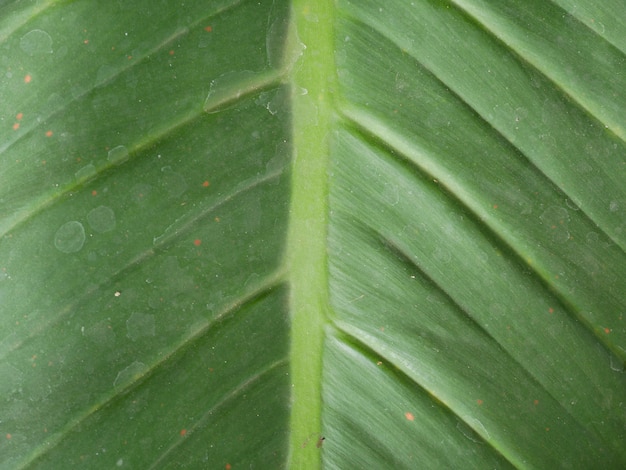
point(311, 80)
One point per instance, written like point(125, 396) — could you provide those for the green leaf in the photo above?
point(349, 234)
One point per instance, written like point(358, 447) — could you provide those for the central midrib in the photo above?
point(311, 80)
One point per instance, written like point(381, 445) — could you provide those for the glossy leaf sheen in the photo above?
point(232, 229)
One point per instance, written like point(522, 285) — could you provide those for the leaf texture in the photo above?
point(334, 234)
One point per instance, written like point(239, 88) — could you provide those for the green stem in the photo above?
point(312, 80)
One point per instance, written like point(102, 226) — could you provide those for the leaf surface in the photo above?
point(312, 234)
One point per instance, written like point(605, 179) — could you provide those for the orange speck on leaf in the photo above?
point(208, 29)
point(9, 436)
point(550, 310)
point(479, 402)
point(206, 184)
point(535, 402)
point(94, 193)
point(607, 330)
point(183, 432)
point(49, 133)
point(408, 415)
point(495, 206)
point(197, 242)
point(28, 78)
point(19, 116)
point(228, 466)
point(16, 126)
point(172, 52)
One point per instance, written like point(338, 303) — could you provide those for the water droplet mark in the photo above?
point(274, 41)
point(140, 325)
point(479, 428)
point(70, 237)
point(36, 42)
point(173, 182)
point(101, 219)
point(616, 364)
point(85, 172)
point(442, 255)
point(226, 90)
point(571, 204)
point(118, 155)
point(130, 374)
point(555, 220)
point(141, 193)
point(101, 334)
point(104, 74)
point(265, 100)
point(468, 432)
point(391, 194)
point(278, 33)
